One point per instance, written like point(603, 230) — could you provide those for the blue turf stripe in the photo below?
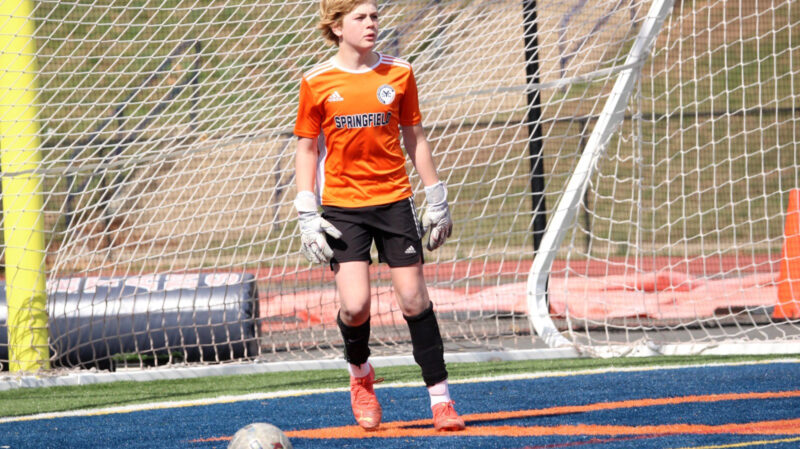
point(176, 427)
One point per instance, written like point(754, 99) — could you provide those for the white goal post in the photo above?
point(623, 176)
point(565, 211)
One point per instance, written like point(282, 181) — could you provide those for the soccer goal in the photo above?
point(620, 175)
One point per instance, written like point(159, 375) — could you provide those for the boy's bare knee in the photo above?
point(412, 302)
point(354, 316)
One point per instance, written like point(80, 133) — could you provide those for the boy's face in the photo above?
point(359, 27)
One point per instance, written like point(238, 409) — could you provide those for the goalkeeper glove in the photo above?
point(437, 216)
point(313, 229)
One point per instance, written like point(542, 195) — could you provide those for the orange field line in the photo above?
point(415, 428)
point(423, 427)
point(780, 427)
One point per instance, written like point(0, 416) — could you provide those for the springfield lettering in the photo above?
point(369, 120)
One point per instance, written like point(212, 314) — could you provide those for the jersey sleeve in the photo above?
point(409, 106)
point(309, 113)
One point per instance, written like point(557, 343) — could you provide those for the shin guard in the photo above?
point(428, 347)
point(356, 341)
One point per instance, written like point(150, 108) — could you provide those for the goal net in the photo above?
point(619, 175)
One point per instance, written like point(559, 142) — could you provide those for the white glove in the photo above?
point(313, 229)
point(437, 216)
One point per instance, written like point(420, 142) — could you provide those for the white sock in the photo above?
point(358, 370)
point(439, 393)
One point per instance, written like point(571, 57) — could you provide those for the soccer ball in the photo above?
point(259, 435)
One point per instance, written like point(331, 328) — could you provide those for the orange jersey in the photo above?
point(359, 114)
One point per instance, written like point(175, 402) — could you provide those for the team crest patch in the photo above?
point(386, 94)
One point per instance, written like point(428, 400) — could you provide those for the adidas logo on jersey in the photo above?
point(411, 250)
point(335, 96)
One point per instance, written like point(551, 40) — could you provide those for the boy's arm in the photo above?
point(437, 213)
point(312, 226)
point(305, 164)
point(419, 151)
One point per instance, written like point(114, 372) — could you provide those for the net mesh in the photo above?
point(167, 148)
point(684, 217)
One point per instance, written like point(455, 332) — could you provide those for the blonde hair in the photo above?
point(331, 13)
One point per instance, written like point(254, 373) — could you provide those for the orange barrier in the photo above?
point(660, 296)
point(788, 305)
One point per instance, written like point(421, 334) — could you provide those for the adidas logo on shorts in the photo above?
point(411, 250)
point(335, 96)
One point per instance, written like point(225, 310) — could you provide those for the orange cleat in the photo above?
point(366, 408)
point(445, 417)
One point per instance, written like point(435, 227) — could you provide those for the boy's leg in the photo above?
point(350, 264)
point(352, 285)
point(426, 341)
point(412, 297)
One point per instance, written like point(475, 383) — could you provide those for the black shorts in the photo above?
point(394, 228)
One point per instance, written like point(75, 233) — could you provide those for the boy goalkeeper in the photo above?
point(349, 159)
